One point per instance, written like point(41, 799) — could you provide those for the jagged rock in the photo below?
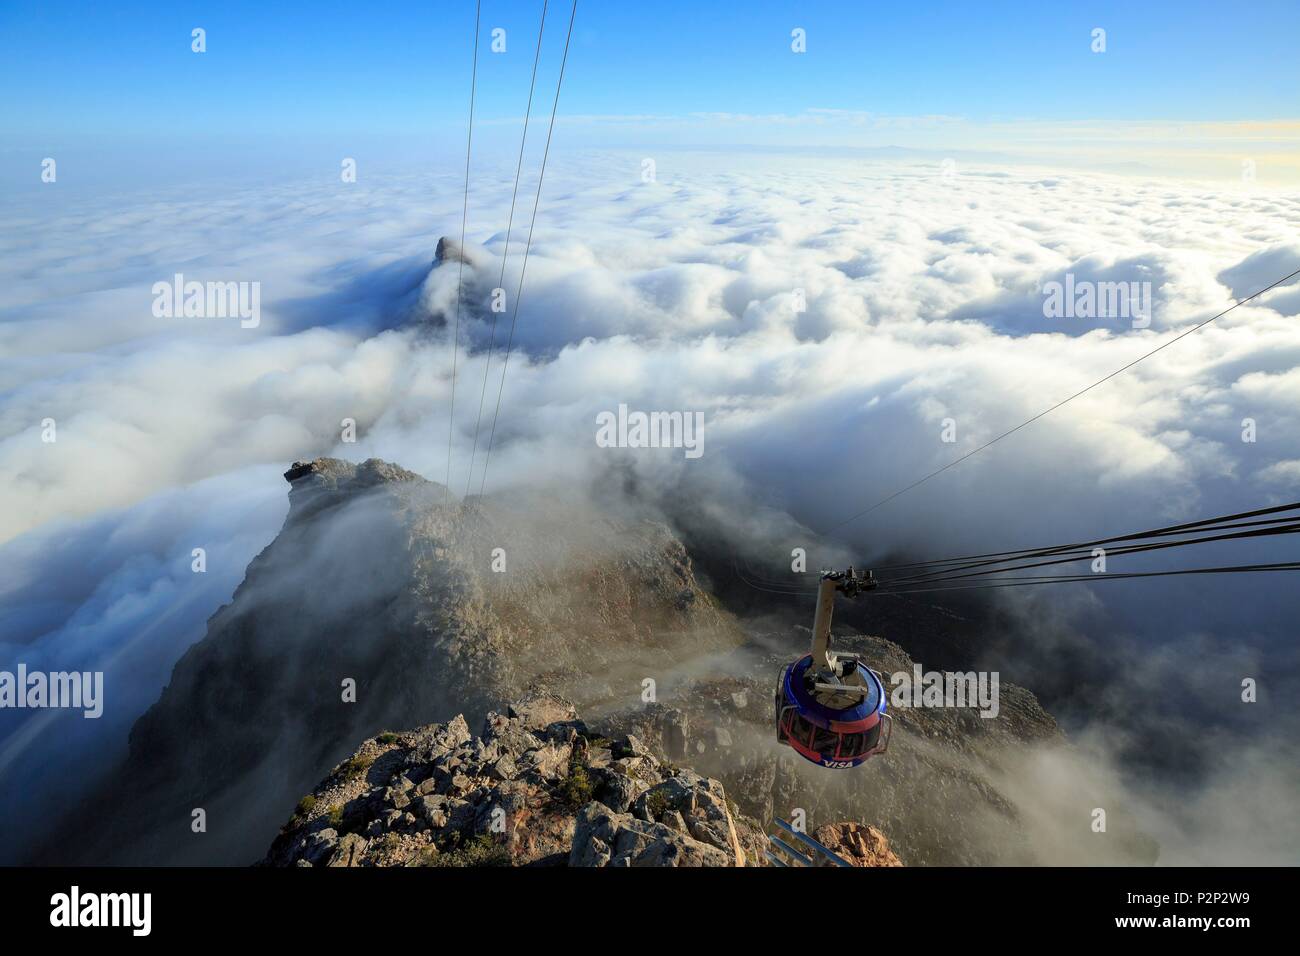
point(433, 810)
point(349, 851)
point(478, 803)
point(451, 250)
point(702, 803)
point(675, 821)
point(618, 791)
point(674, 726)
point(629, 746)
point(550, 761)
point(436, 740)
point(538, 711)
point(379, 577)
point(316, 846)
point(605, 838)
point(860, 845)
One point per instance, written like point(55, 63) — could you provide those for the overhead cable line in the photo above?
point(1085, 550)
point(987, 570)
point(1001, 567)
point(1082, 391)
point(460, 270)
point(501, 281)
point(1064, 579)
point(1202, 524)
point(514, 317)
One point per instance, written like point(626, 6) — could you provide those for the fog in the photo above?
point(828, 317)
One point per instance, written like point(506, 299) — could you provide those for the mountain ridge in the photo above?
point(386, 601)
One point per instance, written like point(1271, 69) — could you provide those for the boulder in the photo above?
point(857, 843)
point(605, 838)
point(629, 746)
point(701, 803)
point(538, 711)
point(435, 796)
point(349, 850)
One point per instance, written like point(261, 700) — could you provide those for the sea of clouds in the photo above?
point(922, 290)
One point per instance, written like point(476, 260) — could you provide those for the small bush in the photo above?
point(354, 767)
point(305, 806)
point(386, 738)
point(657, 803)
point(483, 850)
point(578, 786)
point(336, 815)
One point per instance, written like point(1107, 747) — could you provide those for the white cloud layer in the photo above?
point(923, 292)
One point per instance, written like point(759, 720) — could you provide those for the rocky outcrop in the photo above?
point(536, 787)
point(450, 250)
point(857, 843)
point(458, 288)
point(385, 601)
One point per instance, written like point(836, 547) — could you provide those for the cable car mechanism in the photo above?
point(830, 707)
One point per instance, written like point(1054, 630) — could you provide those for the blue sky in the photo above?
point(127, 67)
point(121, 76)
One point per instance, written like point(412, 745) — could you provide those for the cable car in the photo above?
point(831, 707)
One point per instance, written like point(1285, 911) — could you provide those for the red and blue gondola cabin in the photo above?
point(827, 736)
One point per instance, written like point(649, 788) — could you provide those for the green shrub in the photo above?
point(354, 767)
point(578, 786)
point(483, 850)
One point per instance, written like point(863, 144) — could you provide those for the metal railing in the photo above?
point(820, 855)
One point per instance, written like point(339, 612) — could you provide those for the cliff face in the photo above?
point(382, 603)
point(386, 603)
point(536, 788)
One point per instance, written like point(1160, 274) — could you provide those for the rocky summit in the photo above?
point(386, 601)
point(536, 788)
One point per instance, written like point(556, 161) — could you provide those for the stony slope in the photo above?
point(380, 578)
point(537, 787)
point(426, 608)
